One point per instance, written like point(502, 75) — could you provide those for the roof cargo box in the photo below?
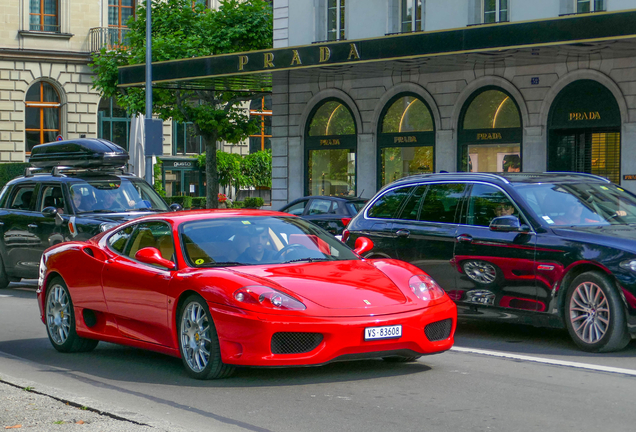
point(80, 153)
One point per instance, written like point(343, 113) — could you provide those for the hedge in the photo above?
point(9, 171)
point(254, 202)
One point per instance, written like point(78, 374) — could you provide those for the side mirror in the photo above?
point(508, 224)
point(363, 245)
point(151, 255)
point(176, 207)
point(49, 211)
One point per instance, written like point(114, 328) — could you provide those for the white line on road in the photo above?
point(547, 361)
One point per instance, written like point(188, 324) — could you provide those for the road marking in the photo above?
point(587, 366)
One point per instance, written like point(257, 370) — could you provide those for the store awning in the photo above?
point(601, 34)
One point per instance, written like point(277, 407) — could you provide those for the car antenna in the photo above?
point(361, 193)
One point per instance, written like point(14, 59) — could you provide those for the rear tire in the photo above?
point(595, 314)
point(199, 342)
point(60, 320)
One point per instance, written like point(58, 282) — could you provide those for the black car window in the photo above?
point(22, 197)
point(52, 197)
point(487, 202)
point(355, 207)
point(296, 209)
point(412, 206)
point(334, 207)
point(151, 234)
point(118, 240)
point(388, 205)
point(319, 206)
point(441, 202)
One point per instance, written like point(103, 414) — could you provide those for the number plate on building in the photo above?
point(384, 332)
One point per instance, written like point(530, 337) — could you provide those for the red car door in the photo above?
point(137, 293)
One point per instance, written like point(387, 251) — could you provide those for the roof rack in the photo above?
point(489, 175)
point(597, 177)
point(60, 170)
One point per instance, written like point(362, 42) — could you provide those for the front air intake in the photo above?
point(439, 330)
point(294, 342)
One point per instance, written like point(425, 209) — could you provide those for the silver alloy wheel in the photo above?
point(589, 312)
point(195, 336)
point(480, 271)
point(58, 314)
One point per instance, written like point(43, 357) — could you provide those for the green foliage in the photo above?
point(228, 166)
point(9, 171)
point(158, 183)
point(198, 202)
point(254, 202)
point(185, 201)
point(257, 169)
point(237, 204)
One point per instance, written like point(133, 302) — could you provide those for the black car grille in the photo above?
point(439, 330)
point(294, 343)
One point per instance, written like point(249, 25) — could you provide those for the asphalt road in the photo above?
point(497, 378)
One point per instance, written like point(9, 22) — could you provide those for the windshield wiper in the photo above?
point(308, 260)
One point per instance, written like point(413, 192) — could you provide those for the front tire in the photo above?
point(60, 320)
point(595, 314)
point(199, 342)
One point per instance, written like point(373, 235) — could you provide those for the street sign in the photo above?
point(59, 138)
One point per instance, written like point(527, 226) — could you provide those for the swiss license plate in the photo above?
point(384, 332)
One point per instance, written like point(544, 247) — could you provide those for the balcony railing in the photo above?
point(108, 37)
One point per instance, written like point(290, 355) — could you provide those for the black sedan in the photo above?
point(329, 212)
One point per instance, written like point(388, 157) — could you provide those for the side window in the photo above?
point(151, 234)
point(22, 197)
point(334, 207)
point(412, 206)
point(118, 240)
point(388, 204)
point(52, 197)
point(296, 209)
point(319, 206)
point(487, 202)
point(441, 202)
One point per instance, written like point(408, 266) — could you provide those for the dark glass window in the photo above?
point(185, 140)
point(389, 204)
point(411, 15)
point(492, 109)
point(332, 118)
point(114, 122)
point(118, 240)
point(319, 206)
point(335, 20)
point(487, 202)
point(495, 11)
point(441, 202)
point(297, 209)
point(412, 206)
point(586, 6)
point(22, 197)
point(148, 234)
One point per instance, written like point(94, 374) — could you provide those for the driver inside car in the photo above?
point(258, 251)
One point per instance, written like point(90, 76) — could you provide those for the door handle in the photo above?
point(465, 238)
point(32, 225)
point(404, 233)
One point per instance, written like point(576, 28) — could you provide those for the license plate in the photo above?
point(384, 332)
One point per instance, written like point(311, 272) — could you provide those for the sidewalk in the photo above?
point(33, 410)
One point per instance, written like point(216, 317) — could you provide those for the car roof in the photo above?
point(69, 177)
point(333, 198)
point(194, 215)
point(503, 178)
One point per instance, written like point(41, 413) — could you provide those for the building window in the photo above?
point(44, 15)
point(335, 20)
point(119, 11)
point(113, 122)
point(42, 111)
point(185, 139)
point(587, 6)
point(412, 15)
point(262, 108)
point(495, 11)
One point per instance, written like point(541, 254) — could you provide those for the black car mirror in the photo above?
point(508, 224)
point(49, 211)
point(176, 207)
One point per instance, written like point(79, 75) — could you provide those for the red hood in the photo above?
point(333, 285)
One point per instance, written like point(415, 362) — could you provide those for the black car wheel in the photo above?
point(595, 314)
point(199, 343)
point(60, 320)
point(4, 279)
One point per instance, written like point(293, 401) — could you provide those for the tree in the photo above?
point(180, 31)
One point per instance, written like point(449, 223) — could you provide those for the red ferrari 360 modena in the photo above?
point(225, 288)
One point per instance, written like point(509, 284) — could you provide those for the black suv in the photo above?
point(548, 249)
point(61, 203)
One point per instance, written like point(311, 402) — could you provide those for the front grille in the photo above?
point(439, 330)
point(294, 343)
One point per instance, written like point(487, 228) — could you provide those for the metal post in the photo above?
point(149, 168)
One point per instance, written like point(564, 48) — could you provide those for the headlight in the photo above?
point(629, 265)
point(267, 297)
point(108, 225)
point(41, 271)
point(425, 288)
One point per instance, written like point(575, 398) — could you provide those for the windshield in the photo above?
point(580, 204)
point(258, 240)
point(114, 195)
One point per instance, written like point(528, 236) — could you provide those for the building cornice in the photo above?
point(53, 56)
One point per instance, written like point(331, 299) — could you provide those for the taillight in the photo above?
point(345, 221)
point(345, 235)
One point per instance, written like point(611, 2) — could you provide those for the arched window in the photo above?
point(262, 108)
point(406, 139)
point(42, 112)
point(330, 150)
point(490, 133)
point(113, 122)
